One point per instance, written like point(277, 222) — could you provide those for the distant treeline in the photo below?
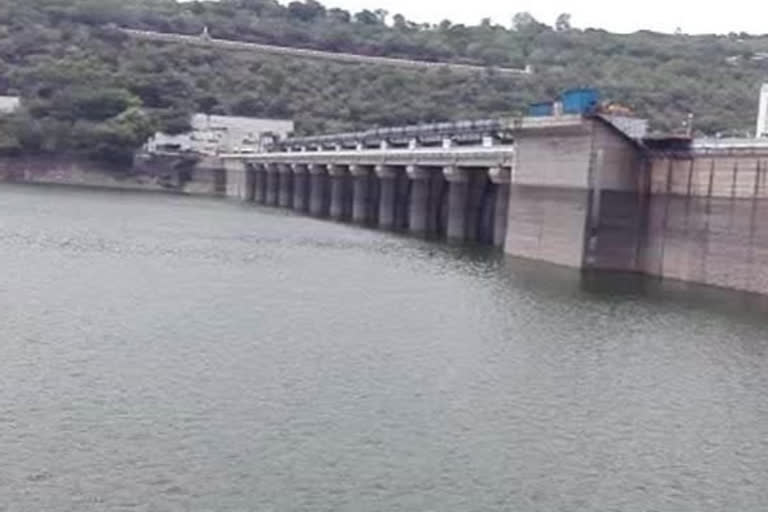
point(91, 89)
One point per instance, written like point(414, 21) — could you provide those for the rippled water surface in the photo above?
point(165, 353)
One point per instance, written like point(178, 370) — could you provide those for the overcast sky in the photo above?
point(615, 15)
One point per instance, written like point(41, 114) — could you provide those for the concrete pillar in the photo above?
point(317, 193)
point(250, 182)
point(300, 188)
point(458, 187)
point(361, 193)
point(501, 177)
point(260, 183)
point(235, 178)
point(273, 184)
point(338, 175)
point(285, 195)
point(388, 182)
point(418, 207)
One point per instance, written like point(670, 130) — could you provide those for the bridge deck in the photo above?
point(465, 156)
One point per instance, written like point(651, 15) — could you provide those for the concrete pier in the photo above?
point(273, 184)
point(237, 180)
point(300, 188)
point(501, 178)
point(285, 194)
point(480, 198)
point(387, 197)
point(318, 204)
point(250, 183)
point(260, 183)
point(361, 193)
point(338, 176)
point(458, 185)
point(418, 208)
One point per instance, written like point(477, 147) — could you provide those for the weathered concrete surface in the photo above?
point(480, 199)
point(340, 195)
point(387, 196)
point(501, 178)
point(158, 174)
point(419, 200)
point(362, 193)
point(273, 185)
point(239, 181)
point(458, 186)
point(547, 224)
point(285, 186)
point(260, 184)
point(618, 200)
point(300, 188)
point(577, 198)
point(318, 190)
point(549, 199)
point(706, 221)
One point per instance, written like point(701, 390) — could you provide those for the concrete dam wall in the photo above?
point(708, 219)
point(65, 170)
point(156, 175)
point(572, 191)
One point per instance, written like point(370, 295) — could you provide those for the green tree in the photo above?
point(309, 10)
point(173, 121)
point(74, 70)
point(563, 22)
point(366, 17)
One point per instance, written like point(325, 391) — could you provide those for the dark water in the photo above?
point(167, 353)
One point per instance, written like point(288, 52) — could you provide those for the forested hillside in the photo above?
point(90, 88)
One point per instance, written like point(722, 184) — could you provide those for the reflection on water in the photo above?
point(171, 353)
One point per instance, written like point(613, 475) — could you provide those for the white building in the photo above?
point(212, 134)
point(762, 113)
point(9, 104)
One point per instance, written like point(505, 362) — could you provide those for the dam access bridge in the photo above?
point(571, 190)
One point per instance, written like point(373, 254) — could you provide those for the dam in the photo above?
point(571, 190)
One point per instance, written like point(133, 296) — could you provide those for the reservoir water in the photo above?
point(167, 353)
